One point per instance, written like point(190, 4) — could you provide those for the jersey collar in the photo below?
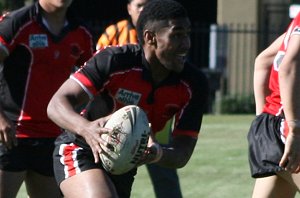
point(72, 23)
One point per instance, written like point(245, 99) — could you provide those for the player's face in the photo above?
point(173, 44)
point(56, 4)
point(134, 9)
point(62, 3)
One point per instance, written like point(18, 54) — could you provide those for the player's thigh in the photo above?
point(273, 187)
point(12, 170)
point(293, 179)
point(38, 185)
point(89, 183)
point(10, 183)
point(296, 180)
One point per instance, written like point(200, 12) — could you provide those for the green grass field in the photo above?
point(218, 167)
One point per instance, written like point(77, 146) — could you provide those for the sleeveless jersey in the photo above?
point(273, 101)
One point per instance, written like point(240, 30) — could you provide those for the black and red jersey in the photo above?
point(38, 63)
point(122, 73)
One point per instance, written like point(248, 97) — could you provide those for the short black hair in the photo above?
point(158, 10)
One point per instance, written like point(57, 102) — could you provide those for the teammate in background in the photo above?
point(274, 136)
point(153, 75)
point(40, 44)
point(165, 181)
point(123, 32)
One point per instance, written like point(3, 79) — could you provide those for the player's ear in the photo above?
point(150, 37)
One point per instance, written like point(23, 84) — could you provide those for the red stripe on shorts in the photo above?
point(68, 159)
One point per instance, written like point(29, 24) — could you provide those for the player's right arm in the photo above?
point(10, 24)
point(7, 128)
point(289, 80)
point(262, 65)
point(61, 110)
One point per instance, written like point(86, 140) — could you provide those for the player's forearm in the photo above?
point(4, 121)
point(261, 90)
point(3, 117)
point(262, 69)
point(289, 80)
point(177, 156)
point(62, 113)
point(290, 95)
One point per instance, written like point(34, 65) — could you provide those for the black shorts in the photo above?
point(70, 159)
point(30, 154)
point(266, 145)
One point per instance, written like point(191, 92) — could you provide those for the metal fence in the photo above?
point(226, 53)
point(236, 49)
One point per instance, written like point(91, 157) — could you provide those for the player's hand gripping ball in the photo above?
point(128, 140)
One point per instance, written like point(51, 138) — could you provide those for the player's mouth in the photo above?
point(181, 57)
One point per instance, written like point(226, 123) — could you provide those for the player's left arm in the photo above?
point(187, 126)
point(174, 155)
point(289, 80)
point(262, 69)
point(178, 153)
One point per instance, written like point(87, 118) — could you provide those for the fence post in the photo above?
point(213, 46)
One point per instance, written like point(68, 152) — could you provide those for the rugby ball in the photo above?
point(127, 141)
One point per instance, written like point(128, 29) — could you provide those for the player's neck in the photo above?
point(158, 71)
point(54, 17)
point(55, 22)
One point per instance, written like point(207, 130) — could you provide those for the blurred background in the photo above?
point(226, 37)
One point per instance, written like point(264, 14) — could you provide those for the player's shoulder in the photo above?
point(118, 57)
point(20, 16)
point(122, 23)
point(117, 27)
point(12, 22)
point(83, 30)
point(77, 22)
point(121, 53)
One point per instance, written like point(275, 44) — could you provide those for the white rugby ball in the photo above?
point(127, 141)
